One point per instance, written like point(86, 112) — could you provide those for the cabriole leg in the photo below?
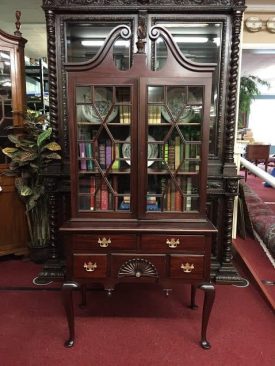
point(67, 297)
point(209, 297)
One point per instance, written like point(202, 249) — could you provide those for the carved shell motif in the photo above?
point(137, 267)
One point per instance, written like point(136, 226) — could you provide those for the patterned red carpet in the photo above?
point(137, 326)
point(267, 194)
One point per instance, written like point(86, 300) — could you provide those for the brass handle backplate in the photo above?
point(187, 267)
point(90, 267)
point(103, 243)
point(172, 243)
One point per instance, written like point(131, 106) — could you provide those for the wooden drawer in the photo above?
point(164, 243)
point(89, 266)
point(187, 266)
point(104, 241)
point(138, 265)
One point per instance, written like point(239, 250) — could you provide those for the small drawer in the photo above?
point(104, 241)
point(89, 266)
point(173, 242)
point(187, 266)
point(138, 266)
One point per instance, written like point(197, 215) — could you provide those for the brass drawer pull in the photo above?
point(90, 267)
point(173, 243)
point(187, 267)
point(103, 243)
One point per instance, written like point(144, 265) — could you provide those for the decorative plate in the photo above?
point(176, 102)
point(152, 151)
point(103, 106)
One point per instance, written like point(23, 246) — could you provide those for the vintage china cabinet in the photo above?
point(142, 99)
point(13, 225)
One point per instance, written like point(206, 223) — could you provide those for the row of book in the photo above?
point(175, 155)
point(94, 195)
point(101, 151)
point(152, 203)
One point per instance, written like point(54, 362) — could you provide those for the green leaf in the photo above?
point(52, 146)
point(28, 156)
point(14, 139)
point(25, 191)
point(9, 151)
point(19, 183)
point(44, 136)
point(53, 156)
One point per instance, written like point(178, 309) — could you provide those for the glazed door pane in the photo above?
point(84, 40)
point(6, 118)
point(199, 42)
point(104, 123)
point(174, 137)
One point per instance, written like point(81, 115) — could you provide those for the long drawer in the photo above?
point(104, 241)
point(169, 243)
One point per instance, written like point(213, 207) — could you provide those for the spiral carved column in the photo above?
point(227, 272)
point(50, 20)
point(232, 91)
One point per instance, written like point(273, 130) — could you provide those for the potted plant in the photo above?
point(32, 151)
point(249, 88)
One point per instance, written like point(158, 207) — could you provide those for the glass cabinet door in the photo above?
point(199, 42)
point(174, 131)
point(84, 40)
point(6, 117)
point(104, 117)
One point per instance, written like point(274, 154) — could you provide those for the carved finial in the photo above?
point(18, 23)
point(141, 33)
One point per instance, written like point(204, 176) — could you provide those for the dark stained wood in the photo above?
point(164, 247)
point(170, 243)
point(98, 266)
point(257, 153)
point(13, 224)
point(109, 241)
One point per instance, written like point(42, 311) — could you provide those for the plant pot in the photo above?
point(39, 254)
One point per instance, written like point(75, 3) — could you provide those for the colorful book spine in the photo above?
point(102, 155)
point(178, 197)
point(177, 152)
point(188, 199)
point(84, 185)
point(92, 193)
point(166, 152)
point(171, 155)
point(88, 150)
point(82, 156)
point(104, 197)
point(108, 153)
point(116, 156)
point(115, 188)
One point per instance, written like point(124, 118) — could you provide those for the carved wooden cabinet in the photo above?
point(13, 225)
point(145, 112)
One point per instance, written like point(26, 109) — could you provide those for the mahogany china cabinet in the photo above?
point(13, 224)
point(142, 100)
